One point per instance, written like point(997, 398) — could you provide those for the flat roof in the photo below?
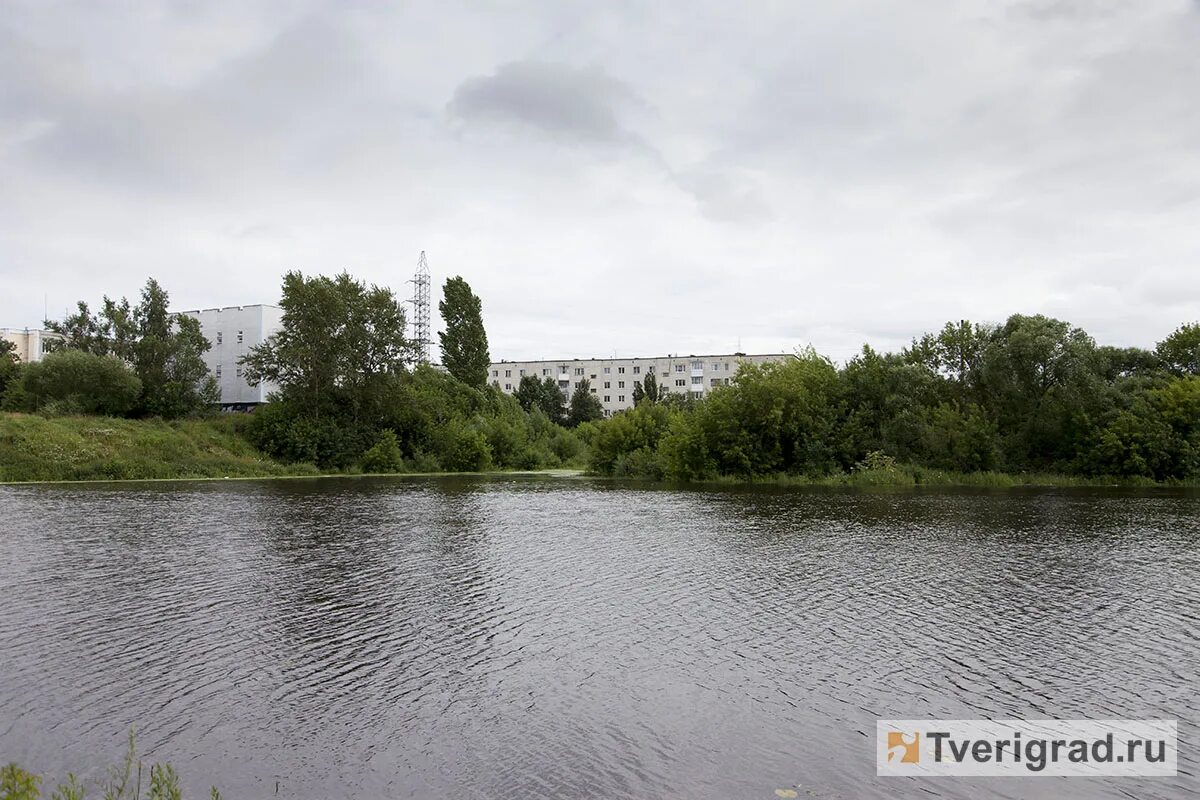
point(226, 308)
point(644, 358)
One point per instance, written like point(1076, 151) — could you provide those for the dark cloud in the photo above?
point(573, 103)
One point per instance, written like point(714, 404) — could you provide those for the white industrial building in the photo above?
point(32, 344)
point(233, 331)
point(612, 379)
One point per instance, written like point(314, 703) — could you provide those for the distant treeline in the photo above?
point(1032, 395)
point(350, 396)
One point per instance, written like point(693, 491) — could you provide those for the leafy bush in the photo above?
point(75, 382)
point(384, 455)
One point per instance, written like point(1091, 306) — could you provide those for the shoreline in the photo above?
point(37, 450)
point(990, 481)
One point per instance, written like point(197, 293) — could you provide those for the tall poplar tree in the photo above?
point(464, 342)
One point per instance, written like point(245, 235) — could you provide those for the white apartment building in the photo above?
point(612, 379)
point(232, 331)
point(32, 344)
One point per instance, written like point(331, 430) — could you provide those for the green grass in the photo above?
point(35, 448)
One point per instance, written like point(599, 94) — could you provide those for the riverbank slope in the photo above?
point(35, 448)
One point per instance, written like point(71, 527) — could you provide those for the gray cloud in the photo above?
point(611, 177)
point(563, 101)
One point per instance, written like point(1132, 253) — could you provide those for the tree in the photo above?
point(337, 343)
point(585, 406)
point(529, 392)
point(10, 365)
point(774, 417)
point(552, 403)
point(647, 390)
point(1180, 352)
point(1040, 378)
point(164, 350)
point(167, 354)
point(885, 397)
point(956, 354)
point(464, 342)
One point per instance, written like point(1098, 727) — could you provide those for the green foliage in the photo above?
point(10, 366)
point(647, 390)
point(464, 342)
point(960, 439)
point(124, 782)
point(338, 346)
point(165, 352)
point(17, 784)
point(585, 406)
point(36, 448)
point(384, 455)
point(1180, 352)
point(347, 401)
point(775, 417)
point(542, 395)
point(636, 429)
point(462, 447)
point(885, 401)
point(164, 783)
point(1033, 396)
point(76, 382)
point(71, 790)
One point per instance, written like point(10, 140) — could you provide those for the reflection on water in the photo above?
point(546, 638)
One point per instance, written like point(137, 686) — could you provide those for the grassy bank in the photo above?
point(35, 448)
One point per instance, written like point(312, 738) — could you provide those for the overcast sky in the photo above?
point(630, 178)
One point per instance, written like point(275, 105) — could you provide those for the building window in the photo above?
point(607, 370)
point(727, 366)
point(522, 373)
point(545, 372)
point(218, 372)
point(620, 384)
point(621, 370)
point(606, 398)
point(218, 337)
point(239, 337)
point(508, 387)
point(650, 369)
point(698, 365)
point(680, 382)
point(637, 370)
point(621, 398)
point(495, 373)
point(715, 382)
point(593, 391)
point(238, 372)
point(679, 367)
point(593, 376)
point(579, 370)
point(508, 373)
point(715, 367)
point(608, 384)
point(697, 380)
point(576, 384)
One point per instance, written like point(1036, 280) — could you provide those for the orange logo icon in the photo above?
point(903, 747)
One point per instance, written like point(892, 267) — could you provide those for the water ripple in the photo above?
point(533, 638)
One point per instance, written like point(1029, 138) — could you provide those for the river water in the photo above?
point(543, 637)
